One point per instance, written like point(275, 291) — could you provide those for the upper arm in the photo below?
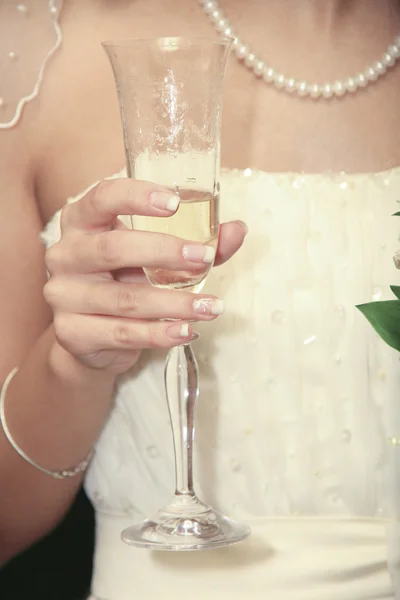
point(23, 312)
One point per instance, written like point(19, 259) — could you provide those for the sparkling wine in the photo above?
point(196, 220)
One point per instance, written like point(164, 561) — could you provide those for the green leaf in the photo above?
point(396, 290)
point(396, 214)
point(385, 319)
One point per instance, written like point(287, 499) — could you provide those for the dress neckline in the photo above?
point(295, 179)
point(325, 175)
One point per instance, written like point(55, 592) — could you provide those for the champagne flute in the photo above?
point(170, 95)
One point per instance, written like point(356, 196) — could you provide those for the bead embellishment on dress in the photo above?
point(236, 465)
point(22, 8)
point(381, 374)
point(278, 317)
point(153, 451)
point(340, 310)
point(394, 441)
point(346, 436)
point(382, 182)
point(298, 183)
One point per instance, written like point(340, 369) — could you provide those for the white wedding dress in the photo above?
point(298, 429)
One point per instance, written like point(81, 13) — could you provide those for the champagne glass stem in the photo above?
point(182, 389)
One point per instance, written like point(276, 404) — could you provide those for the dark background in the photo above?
point(59, 567)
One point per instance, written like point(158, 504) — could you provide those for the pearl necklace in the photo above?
point(262, 70)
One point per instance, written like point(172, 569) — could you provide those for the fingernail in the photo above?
point(184, 330)
point(209, 306)
point(181, 331)
point(164, 201)
point(198, 253)
point(243, 224)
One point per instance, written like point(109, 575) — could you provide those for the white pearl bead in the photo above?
point(309, 89)
point(388, 59)
point(236, 43)
point(221, 24)
point(228, 32)
point(371, 74)
point(1, 103)
point(361, 80)
point(12, 55)
point(327, 90)
point(339, 88)
point(259, 67)
point(301, 88)
point(315, 90)
point(279, 80)
point(351, 84)
point(268, 75)
point(290, 84)
point(250, 60)
point(209, 7)
point(53, 10)
point(379, 67)
point(22, 9)
point(241, 51)
point(394, 50)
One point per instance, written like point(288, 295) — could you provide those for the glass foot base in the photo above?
point(186, 533)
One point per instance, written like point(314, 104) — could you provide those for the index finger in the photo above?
point(99, 208)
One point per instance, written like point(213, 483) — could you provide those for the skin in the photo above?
point(72, 340)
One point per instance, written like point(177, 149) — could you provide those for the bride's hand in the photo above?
point(104, 311)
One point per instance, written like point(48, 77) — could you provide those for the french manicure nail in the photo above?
point(180, 331)
point(164, 201)
point(184, 330)
point(209, 306)
point(198, 253)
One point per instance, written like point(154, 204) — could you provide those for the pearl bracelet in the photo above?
point(64, 474)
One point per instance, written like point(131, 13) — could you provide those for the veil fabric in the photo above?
point(30, 35)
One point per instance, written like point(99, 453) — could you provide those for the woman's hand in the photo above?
point(104, 311)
